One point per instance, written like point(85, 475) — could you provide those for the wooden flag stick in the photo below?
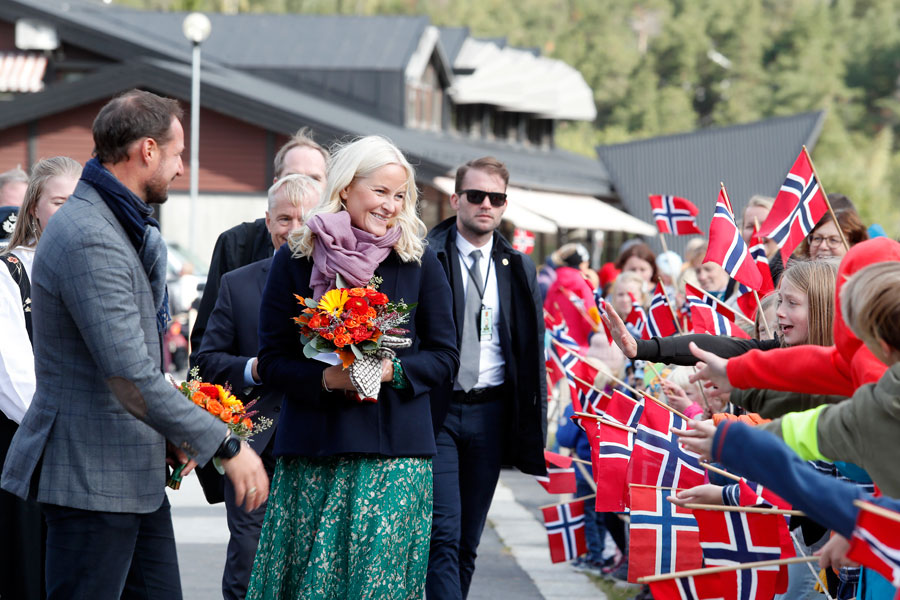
point(747, 509)
point(607, 422)
point(726, 568)
point(580, 460)
point(662, 241)
point(762, 313)
point(874, 508)
point(837, 225)
point(656, 487)
point(721, 472)
point(590, 385)
point(628, 387)
point(562, 502)
point(736, 312)
point(587, 475)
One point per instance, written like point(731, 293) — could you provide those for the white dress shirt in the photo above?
point(17, 381)
point(491, 371)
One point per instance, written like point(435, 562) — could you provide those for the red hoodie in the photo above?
point(838, 369)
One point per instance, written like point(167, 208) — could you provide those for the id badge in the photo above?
point(487, 324)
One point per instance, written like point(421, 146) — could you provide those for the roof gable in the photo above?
point(752, 158)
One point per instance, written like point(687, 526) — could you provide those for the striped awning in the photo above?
point(22, 72)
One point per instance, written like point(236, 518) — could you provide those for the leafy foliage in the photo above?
point(664, 66)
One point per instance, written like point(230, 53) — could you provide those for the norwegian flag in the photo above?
point(586, 398)
point(637, 318)
point(706, 320)
point(674, 215)
point(663, 538)
point(560, 477)
point(754, 494)
point(523, 241)
point(798, 207)
point(876, 543)
point(660, 322)
point(565, 531)
point(698, 587)
point(731, 538)
point(560, 354)
point(709, 316)
point(657, 458)
point(614, 447)
point(600, 303)
point(727, 248)
point(746, 300)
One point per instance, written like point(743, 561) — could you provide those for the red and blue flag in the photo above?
point(675, 215)
point(727, 247)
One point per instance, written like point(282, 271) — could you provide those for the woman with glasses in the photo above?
point(825, 240)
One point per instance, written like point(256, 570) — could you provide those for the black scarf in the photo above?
point(143, 231)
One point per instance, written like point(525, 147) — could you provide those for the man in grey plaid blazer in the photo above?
point(93, 445)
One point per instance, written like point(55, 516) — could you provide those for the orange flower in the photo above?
point(347, 357)
point(236, 419)
point(376, 298)
point(371, 314)
point(351, 323)
point(247, 423)
point(327, 335)
point(214, 407)
point(340, 329)
point(341, 340)
point(317, 321)
point(199, 398)
point(356, 292)
point(225, 415)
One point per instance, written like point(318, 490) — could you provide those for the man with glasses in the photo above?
point(496, 412)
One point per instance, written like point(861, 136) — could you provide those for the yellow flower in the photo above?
point(227, 398)
point(333, 301)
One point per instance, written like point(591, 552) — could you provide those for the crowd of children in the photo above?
point(820, 371)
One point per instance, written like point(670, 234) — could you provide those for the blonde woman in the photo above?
point(350, 511)
point(52, 181)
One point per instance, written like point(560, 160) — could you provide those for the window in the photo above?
point(425, 101)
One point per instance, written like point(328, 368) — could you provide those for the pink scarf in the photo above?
point(341, 248)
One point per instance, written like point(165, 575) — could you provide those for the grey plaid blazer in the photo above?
point(102, 410)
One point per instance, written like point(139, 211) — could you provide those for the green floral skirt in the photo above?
point(354, 526)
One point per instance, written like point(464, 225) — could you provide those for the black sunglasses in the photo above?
point(498, 199)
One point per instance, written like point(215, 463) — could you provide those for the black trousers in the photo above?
point(95, 555)
point(244, 528)
point(466, 469)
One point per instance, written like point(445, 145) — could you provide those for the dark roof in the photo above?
point(275, 41)
point(452, 39)
point(277, 108)
point(752, 158)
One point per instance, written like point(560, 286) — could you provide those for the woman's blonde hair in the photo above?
point(870, 303)
point(361, 158)
point(28, 229)
point(816, 278)
point(631, 277)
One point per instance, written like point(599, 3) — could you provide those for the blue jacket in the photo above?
point(760, 456)
point(318, 423)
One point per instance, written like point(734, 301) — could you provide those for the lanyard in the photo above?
point(472, 281)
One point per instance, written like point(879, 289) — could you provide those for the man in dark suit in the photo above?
point(496, 414)
point(251, 241)
point(228, 355)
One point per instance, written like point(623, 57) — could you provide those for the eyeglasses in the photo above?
point(498, 199)
point(818, 240)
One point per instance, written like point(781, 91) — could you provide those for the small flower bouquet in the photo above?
point(218, 401)
point(361, 326)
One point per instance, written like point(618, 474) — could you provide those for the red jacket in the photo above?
point(838, 369)
point(570, 281)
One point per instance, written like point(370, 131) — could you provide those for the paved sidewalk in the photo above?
point(513, 558)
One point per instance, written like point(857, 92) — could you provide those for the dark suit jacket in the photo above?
point(241, 245)
point(521, 341)
point(231, 340)
point(318, 423)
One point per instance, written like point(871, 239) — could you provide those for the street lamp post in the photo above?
point(196, 28)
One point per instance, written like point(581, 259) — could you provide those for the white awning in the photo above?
point(515, 213)
point(572, 211)
point(20, 72)
point(546, 212)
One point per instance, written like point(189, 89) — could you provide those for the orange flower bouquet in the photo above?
point(361, 326)
point(219, 401)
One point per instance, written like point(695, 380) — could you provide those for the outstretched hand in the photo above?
point(700, 494)
point(698, 438)
point(834, 553)
point(712, 369)
point(621, 337)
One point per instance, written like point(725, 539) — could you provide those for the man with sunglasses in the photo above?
point(496, 411)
